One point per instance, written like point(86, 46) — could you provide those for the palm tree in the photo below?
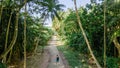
point(49, 8)
point(87, 42)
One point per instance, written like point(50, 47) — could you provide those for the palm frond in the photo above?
point(56, 14)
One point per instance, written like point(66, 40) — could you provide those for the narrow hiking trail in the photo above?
point(53, 51)
point(48, 58)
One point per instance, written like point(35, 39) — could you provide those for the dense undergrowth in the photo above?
point(92, 20)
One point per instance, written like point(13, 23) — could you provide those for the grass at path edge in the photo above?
point(73, 58)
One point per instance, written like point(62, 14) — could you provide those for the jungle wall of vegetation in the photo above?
point(92, 17)
point(17, 39)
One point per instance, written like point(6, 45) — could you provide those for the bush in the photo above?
point(2, 65)
point(113, 62)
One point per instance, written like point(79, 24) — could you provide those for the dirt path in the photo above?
point(48, 58)
point(53, 52)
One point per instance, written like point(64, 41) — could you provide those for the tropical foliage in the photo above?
point(15, 36)
point(92, 19)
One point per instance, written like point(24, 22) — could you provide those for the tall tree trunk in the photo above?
point(13, 39)
point(6, 41)
point(25, 36)
point(87, 42)
point(104, 35)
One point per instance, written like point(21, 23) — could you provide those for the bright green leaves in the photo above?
point(115, 34)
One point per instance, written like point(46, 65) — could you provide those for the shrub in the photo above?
point(2, 65)
point(113, 62)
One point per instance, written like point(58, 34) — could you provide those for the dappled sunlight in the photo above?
point(55, 41)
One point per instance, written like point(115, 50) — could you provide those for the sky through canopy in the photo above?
point(69, 4)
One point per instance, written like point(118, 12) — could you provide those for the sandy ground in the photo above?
point(48, 58)
point(53, 52)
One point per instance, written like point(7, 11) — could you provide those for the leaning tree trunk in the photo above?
point(9, 58)
point(117, 45)
point(36, 45)
point(6, 40)
point(79, 22)
point(25, 36)
point(13, 39)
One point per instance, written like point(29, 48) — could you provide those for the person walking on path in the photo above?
point(57, 59)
